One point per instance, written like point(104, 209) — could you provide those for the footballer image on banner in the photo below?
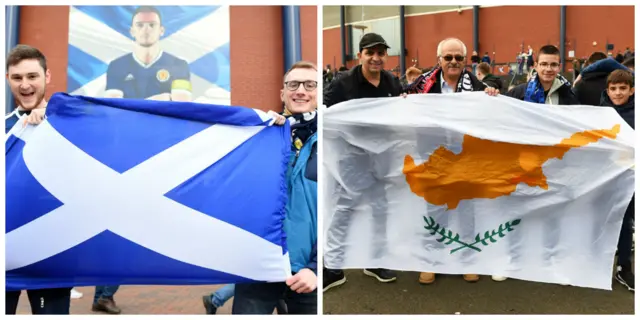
point(153, 53)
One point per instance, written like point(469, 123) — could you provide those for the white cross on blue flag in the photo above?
point(118, 191)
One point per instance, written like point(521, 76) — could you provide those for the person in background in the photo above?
point(630, 64)
point(619, 95)
point(593, 80)
point(412, 74)
point(475, 60)
point(486, 58)
point(483, 73)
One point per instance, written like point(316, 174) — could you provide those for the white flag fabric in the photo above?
point(467, 183)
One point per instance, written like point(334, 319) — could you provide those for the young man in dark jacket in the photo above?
point(593, 79)
point(620, 95)
point(546, 85)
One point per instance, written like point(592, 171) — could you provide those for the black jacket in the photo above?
point(493, 82)
point(349, 86)
point(589, 89)
point(626, 111)
point(567, 97)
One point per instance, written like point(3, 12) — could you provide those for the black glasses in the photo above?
point(309, 85)
point(449, 57)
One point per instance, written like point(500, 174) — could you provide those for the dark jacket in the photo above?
point(493, 81)
point(626, 111)
point(347, 86)
point(475, 59)
point(566, 96)
point(594, 81)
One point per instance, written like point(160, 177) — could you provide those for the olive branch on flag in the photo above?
point(450, 237)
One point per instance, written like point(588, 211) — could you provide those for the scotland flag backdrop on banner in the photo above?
point(121, 191)
point(198, 35)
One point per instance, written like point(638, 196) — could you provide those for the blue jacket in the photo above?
point(301, 221)
point(10, 120)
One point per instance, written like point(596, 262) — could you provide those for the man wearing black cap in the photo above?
point(366, 80)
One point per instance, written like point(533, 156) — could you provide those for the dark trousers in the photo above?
point(262, 298)
point(105, 292)
point(43, 301)
point(626, 237)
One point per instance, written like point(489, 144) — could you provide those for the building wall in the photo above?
point(257, 62)
point(503, 30)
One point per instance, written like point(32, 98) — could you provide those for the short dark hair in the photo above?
point(620, 76)
point(25, 52)
point(630, 63)
point(484, 68)
point(596, 56)
point(548, 49)
point(151, 9)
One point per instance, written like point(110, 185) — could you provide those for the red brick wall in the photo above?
point(331, 48)
point(503, 29)
point(37, 30)
point(256, 48)
point(600, 23)
point(423, 33)
point(309, 33)
point(256, 56)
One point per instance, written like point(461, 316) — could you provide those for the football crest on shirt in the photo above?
point(163, 75)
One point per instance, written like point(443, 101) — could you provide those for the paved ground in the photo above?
point(450, 294)
point(144, 300)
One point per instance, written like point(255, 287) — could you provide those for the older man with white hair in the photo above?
point(449, 76)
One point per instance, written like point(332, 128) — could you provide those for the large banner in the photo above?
point(121, 191)
point(160, 53)
point(467, 183)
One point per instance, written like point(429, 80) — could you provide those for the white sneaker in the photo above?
point(498, 278)
point(76, 294)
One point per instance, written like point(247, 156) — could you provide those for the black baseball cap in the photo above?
point(371, 40)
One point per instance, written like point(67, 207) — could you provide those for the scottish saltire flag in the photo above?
point(466, 183)
point(198, 35)
point(117, 191)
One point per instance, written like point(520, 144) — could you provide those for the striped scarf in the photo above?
point(425, 82)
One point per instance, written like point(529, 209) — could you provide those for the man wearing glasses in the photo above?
point(450, 75)
point(546, 85)
point(366, 80)
point(299, 95)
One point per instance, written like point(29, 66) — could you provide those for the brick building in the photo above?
point(501, 30)
point(256, 47)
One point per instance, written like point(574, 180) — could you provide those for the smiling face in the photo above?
point(28, 81)
point(547, 67)
point(452, 58)
point(373, 59)
point(302, 98)
point(619, 93)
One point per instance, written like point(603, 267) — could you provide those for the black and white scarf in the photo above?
point(425, 82)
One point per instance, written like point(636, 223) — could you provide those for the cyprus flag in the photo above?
point(467, 183)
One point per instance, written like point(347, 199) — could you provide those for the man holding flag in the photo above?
point(28, 76)
point(299, 291)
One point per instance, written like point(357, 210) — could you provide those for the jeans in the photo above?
point(262, 298)
point(106, 292)
point(222, 295)
point(42, 301)
point(626, 237)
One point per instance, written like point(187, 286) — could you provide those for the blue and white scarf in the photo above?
point(535, 91)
